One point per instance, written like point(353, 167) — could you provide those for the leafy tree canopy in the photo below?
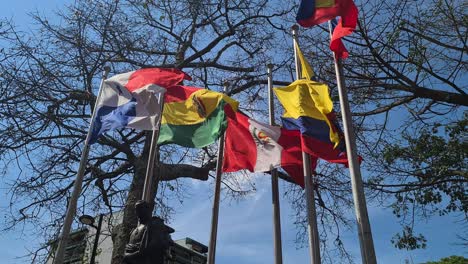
point(450, 260)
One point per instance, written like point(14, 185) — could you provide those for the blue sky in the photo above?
point(245, 227)
point(250, 220)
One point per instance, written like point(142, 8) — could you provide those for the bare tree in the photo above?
point(49, 83)
point(407, 62)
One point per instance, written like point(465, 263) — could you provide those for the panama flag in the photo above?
point(133, 100)
point(259, 147)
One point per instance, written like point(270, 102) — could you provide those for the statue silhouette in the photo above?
point(150, 240)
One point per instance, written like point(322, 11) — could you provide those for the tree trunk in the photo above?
point(121, 232)
point(163, 172)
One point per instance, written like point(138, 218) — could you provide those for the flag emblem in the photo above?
point(260, 136)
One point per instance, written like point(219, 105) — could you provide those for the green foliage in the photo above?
point(408, 240)
point(431, 167)
point(437, 165)
point(450, 260)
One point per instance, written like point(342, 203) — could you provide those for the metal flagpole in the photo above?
point(78, 181)
point(360, 206)
point(217, 193)
point(152, 156)
point(314, 242)
point(274, 179)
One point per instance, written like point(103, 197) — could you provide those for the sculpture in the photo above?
point(150, 240)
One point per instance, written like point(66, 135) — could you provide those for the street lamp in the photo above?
point(89, 221)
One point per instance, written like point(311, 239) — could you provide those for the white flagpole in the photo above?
point(152, 156)
point(314, 241)
point(274, 179)
point(59, 255)
point(217, 194)
point(360, 206)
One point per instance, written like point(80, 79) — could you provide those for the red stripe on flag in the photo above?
point(291, 157)
point(323, 150)
point(179, 93)
point(319, 149)
point(157, 76)
point(322, 14)
point(346, 25)
point(240, 149)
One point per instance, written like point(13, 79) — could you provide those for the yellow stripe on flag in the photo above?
point(196, 108)
point(324, 3)
point(307, 98)
point(307, 71)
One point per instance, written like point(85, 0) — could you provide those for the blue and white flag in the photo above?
point(133, 100)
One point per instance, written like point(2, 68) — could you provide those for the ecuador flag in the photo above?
point(309, 109)
point(194, 117)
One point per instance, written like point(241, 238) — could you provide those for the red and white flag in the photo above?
point(259, 147)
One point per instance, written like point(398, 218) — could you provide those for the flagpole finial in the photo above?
point(107, 69)
point(226, 86)
point(270, 66)
point(294, 29)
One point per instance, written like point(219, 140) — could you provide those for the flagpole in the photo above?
point(274, 179)
point(309, 184)
point(217, 194)
point(152, 156)
point(360, 206)
point(71, 210)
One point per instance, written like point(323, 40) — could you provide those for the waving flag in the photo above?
point(336, 44)
point(309, 109)
point(306, 69)
point(314, 12)
point(194, 117)
point(133, 100)
point(259, 147)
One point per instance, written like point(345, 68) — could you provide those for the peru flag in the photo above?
point(259, 147)
point(133, 100)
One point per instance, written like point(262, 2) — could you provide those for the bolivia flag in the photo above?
point(132, 100)
point(259, 147)
point(309, 109)
point(194, 117)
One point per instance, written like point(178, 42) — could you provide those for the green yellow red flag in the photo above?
point(194, 117)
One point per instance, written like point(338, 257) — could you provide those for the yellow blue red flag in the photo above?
point(314, 12)
point(309, 109)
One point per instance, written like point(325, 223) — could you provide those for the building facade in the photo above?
point(80, 245)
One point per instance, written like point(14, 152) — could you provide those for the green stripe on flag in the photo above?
point(197, 135)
